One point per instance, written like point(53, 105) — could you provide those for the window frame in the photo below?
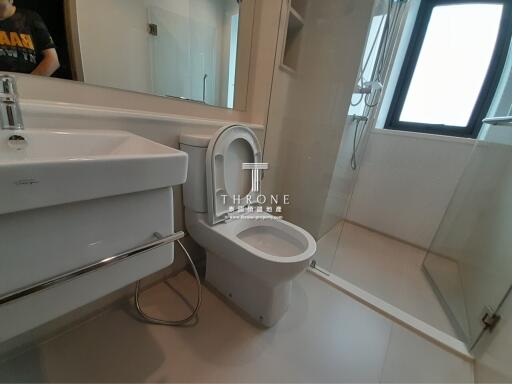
point(483, 103)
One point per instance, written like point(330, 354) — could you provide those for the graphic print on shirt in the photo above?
point(23, 39)
point(18, 46)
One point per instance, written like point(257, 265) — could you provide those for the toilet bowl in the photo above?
point(252, 258)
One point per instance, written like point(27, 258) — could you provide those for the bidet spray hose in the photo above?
point(173, 323)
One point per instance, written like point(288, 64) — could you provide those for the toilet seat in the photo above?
point(228, 185)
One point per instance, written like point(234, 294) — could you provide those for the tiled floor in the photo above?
point(446, 275)
point(384, 267)
point(325, 337)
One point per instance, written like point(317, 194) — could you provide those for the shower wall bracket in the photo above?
point(490, 319)
point(358, 118)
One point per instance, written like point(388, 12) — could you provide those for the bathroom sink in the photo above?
point(40, 168)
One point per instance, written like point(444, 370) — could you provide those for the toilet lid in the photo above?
point(228, 184)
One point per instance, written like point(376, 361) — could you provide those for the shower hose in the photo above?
point(172, 323)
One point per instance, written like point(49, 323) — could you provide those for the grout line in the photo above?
point(418, 247)
point(443, 340)
point(381, 376)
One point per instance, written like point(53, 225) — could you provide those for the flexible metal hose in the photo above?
point(173, 323)
point(384, 55)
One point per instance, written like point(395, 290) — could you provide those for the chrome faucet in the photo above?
point(10, 112)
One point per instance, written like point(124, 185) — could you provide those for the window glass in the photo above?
point(233, 47)
point(453, 63)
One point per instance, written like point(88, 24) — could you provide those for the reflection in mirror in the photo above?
point(195, 50)
point(26, 43)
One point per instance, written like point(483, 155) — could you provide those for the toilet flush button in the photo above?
point(17, 142)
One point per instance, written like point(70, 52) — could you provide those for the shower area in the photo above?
point(438, 248)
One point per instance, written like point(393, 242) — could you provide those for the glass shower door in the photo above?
point(170, 53)
point(203, 65)
point(470, 259)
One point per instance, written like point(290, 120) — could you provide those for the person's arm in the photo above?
point(49, 64)
point(44, 45)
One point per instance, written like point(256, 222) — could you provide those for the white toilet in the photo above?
point(251, 257)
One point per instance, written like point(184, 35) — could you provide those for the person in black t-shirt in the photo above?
point(25, 43)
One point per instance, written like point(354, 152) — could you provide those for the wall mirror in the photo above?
point(196, 50)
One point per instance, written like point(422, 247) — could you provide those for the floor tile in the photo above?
point(390, 270)
point(412, 359)
point(446, 275)
point(325, 337)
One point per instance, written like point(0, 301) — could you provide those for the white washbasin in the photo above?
point(58, 167)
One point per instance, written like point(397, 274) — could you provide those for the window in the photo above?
point(233, 48)
point(453, 65)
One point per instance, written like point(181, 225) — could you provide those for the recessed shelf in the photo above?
point(295, 20)
point(286, 68)
point(294, 35)
point(299, 6)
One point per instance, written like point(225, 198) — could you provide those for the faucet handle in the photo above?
point(10, 113)
point(8, 87)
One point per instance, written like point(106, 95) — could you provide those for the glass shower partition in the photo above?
point(470, 259)
point(186, 54)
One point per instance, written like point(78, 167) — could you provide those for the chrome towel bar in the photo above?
point(160, 242)
point(498, 120)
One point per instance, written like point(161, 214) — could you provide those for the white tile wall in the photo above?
point(308, 110)
point(406, 182)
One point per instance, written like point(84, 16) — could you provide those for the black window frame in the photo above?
point(489, 85)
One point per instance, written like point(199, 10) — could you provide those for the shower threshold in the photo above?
point(395, 314)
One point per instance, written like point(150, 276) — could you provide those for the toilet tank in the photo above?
point(194, 190)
